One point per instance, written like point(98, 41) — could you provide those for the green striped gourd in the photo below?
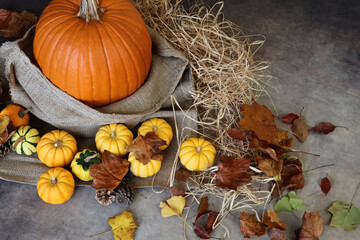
point(25, 139)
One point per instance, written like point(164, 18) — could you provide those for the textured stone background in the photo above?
point(314, 50)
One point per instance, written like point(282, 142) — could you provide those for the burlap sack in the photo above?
point(169, 75)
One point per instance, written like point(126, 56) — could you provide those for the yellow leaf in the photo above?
point(173, 206)
point(123, 226)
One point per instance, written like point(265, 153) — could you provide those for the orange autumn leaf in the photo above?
point(272, 220)
point(109, 173)
point(312, 226)
point(258, 118)
point(250, 226)
point(269, 166)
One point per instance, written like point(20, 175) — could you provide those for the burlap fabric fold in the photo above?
point(170, 75)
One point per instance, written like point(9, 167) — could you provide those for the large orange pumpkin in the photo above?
point(97, 52)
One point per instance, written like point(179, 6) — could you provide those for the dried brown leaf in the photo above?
point(277, 234)
point(300, 129)
point(251, 227)
point(13, 24)
point(232, 173)
point(109, 173)
point(146, 148)
point(177, 190)
point(292, 174)
point(272, 220)
point(312, 226)
point(258, 118)
point(269, 166)
point(236, 134)
point(182, 175)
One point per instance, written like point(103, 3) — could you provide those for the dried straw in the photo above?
point(225, 76)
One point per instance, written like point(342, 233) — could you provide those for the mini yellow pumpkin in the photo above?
point(143, 170)
point(161, 128)
point(24, 140)
point(56, 148)
point(197, 154)
point(114, 138)
point(80, 165)
point(56, 185)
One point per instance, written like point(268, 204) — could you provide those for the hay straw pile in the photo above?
point(225, 76)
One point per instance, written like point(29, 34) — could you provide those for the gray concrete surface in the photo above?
point(314, 50)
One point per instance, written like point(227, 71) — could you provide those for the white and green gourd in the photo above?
point(25, 139)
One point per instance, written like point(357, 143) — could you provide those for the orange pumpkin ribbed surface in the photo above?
point(56, 185)
point(56, 148)
point(100, 56)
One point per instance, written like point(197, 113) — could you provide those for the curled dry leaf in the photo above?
point(232, 173)
point(204, 220)
point(312, 227)
point(300, 129)
point(277, 234)
point(109, 173)
point(272, 220)
point(250, 226)
point(123, 226)
point(146, 148)
point(290, 118)
point(269, 166)
point(7, 129)
point(13, 24)
point(324, 127)
point(325, 185)
point(177, 190)
point(291, 174)
point(182, 175)
point(236, 134)
point(258, 118)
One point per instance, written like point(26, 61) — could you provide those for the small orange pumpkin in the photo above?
point(56, 185)
point(18, 115)
point(97, 53)
point(56, 148)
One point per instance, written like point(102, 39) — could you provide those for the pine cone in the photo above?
point(5, 148)
point(104, 196)
point(124, 194)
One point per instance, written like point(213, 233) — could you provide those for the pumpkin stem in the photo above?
point(198, 149)
point(154, 128)
point(113, 134)
point(53, 180)
point(20, 139)
point(90, 10)
point(88, 159)
point(58, 143)
point(22, 113)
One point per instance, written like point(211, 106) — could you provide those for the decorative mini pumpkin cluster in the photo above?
point(145, 155)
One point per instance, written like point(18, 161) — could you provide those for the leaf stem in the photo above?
point(99, 234)
point(312, 195)
point(356, 193)
point(185, 222)
point(319, 167)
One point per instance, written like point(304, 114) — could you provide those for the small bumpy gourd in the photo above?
point(143, 170)
point(56, 186)
point(197, 154)
point(25, 139)
point(161, 128)
point(56, 148)
point(114, 138)
point(80, 165)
